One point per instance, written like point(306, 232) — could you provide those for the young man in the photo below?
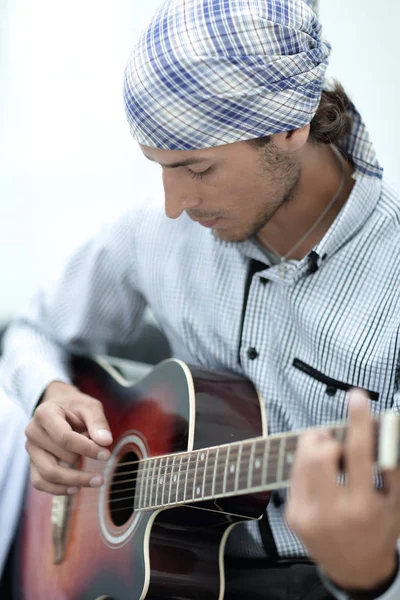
point(277, 259)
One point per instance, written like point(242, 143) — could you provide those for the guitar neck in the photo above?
point(260, 464)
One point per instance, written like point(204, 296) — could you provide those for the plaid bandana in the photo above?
point(211, 72)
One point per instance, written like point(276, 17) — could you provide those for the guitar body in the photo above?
point(94, 545)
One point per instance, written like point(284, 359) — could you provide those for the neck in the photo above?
point(260, 464)
point(321, 177)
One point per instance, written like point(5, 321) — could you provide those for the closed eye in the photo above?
point(195, 175)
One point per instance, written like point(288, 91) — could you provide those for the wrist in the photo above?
point(57, 388)
point(370, 588)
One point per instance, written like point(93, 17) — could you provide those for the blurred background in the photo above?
point(67, 162)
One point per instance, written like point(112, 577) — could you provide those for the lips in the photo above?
point(210, 223)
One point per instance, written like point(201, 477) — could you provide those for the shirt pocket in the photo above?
point(317, 396)
point(332, 386)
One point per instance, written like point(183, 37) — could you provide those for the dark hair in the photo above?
point(332, 121)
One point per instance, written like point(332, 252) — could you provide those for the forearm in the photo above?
point(30, 362)
point(94, 302)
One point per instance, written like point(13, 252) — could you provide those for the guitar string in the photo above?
point(195, 453)
point(87, 510)
point(182, 468)
point(88, 503)
point(220, 478)
point(337, 428)
point(182, 488)
point(272, 452)
point(149, 475)
point(259, 453)
point(180, 505)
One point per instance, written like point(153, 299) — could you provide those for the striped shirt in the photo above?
point(303, 334)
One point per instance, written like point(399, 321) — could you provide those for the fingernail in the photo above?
point(103, 455)
point(104, 435)
point(72, 490)
point(96, 482)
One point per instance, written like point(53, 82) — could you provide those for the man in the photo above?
point(294, 287)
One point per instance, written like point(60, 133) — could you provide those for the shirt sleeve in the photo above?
point(13, 470)
point(96, 301)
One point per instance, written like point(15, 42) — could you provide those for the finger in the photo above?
point(36, 436)
point(50, 488)
point(51, 472)
point(52, 420)
point(359, 445)
point(92, 414)
point(315, 468)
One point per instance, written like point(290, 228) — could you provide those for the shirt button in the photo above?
point(330, 390)
point(252, 353)
point(263, 281)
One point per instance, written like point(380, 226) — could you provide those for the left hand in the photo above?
point(349, 530)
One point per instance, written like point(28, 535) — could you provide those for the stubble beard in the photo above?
point(286, 176)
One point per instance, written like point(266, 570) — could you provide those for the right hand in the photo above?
point(66, 425)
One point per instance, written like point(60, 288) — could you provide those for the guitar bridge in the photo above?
point(59, 521)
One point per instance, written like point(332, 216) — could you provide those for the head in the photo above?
point(206, 79)
point(242, 185)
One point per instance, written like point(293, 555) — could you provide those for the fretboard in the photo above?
point(259, 464)
point(227, 470)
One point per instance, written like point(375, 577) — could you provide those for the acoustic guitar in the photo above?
point(190, 460)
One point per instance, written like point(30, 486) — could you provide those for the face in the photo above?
point(235, 189)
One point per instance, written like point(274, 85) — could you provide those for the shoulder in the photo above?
point(389, 205)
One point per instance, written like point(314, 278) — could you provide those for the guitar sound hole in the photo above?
point(122, 489)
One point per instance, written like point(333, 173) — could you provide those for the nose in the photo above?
point(179, 193)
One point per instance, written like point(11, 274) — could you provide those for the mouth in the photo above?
point(208, 223)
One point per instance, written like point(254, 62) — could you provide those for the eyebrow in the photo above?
point(181, 163)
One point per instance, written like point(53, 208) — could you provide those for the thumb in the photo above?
point(101, 435)
point(96, 424)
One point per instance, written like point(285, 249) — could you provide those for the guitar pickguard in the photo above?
point(59, 521)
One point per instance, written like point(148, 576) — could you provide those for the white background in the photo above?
point(67, 162)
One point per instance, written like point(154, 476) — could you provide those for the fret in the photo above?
point(217, 480)
point(228, 449)
point(172, 479)
point(251, 466)
point(158, 483)
point(196, 490)
point(209, 477)
point(178, 481)
point(290, 452)
point(220, 471)
point(202, 470)
point(152, 474)
point(140, 484)
point(281, 456)
point(178, 478)
point(258, 467)
point(238, 467)
point(166, 478)
point(183, 472)
point(189, 487)
point(146, 468)
point(266, 462)
point(245, 459)
point(231, 469)
point(187, 466)
point(274, 445)
point(198, 484)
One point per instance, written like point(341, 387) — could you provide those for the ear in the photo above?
point(290, 141)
